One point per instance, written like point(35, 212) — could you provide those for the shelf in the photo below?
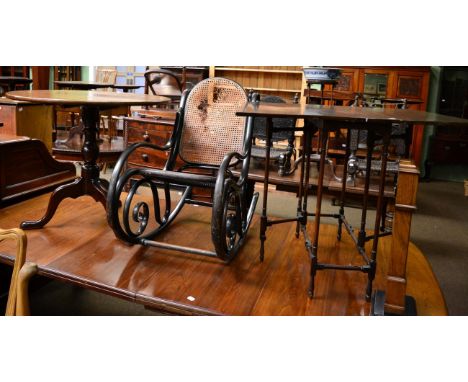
point(259, 70)
point(273, 90)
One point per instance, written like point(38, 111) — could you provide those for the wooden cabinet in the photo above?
point(152, 126)
point(411, 83)
point(14, 71)
point(27, 168)
point(26, 119)
point(158, 132)
point(67, 73)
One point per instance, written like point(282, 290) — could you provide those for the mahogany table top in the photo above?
point(83, 85)
point(77, 246)
point(8, 138)
point(89, 85)
point(347, 113)
point(83, 97)
point(14, 79)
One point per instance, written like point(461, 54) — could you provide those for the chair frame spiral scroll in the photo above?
point(233, 201)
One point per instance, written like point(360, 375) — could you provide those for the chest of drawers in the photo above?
point(154, 127)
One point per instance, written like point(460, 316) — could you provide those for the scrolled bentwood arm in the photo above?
point(117, 181)
point(226, 163)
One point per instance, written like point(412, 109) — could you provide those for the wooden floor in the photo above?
point(77, 246)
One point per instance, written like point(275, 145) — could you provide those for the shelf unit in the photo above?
point(283, 81)
point(67, 73)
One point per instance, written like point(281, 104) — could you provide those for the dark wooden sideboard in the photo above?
point(27, 168)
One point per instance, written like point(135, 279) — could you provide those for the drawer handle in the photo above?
point(145, 157)
point(146, 137)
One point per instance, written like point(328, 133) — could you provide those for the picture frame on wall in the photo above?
point(370, 88)
point(382, 88)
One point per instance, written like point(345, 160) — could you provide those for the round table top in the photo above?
point(90, 85)
point(18, 80)
point(127, 86)
point(84, 97)
point(83, 85)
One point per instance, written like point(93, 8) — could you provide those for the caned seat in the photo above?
point(209, 140)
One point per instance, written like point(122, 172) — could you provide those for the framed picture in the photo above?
point(369, 88)
point(382, 88)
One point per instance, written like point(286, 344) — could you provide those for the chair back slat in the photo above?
point(211, 127)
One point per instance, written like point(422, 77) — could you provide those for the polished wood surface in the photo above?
point(83, 97)
point(90, 85)
point(8, 138)
point(70, 150)
point(82, 85)
point(331, 185)
point(26, 168)
point(405, 206)
point(77, 246)
point(347, 113)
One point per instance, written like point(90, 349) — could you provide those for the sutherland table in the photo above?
point(91, 103)
point(378, 123)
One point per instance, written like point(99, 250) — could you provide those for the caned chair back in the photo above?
point(107, 76)
point(211, 127)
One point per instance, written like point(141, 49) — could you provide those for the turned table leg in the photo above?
point(89, 183)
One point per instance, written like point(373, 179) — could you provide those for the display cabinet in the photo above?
point(14, 71)
point(67, 73)
point(387, 82)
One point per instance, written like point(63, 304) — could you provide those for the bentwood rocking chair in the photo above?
point(208, 137)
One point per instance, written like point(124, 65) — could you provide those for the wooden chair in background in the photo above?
point(164, 83)
point(18, 301)
point(280, 154)
point(107, 76)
